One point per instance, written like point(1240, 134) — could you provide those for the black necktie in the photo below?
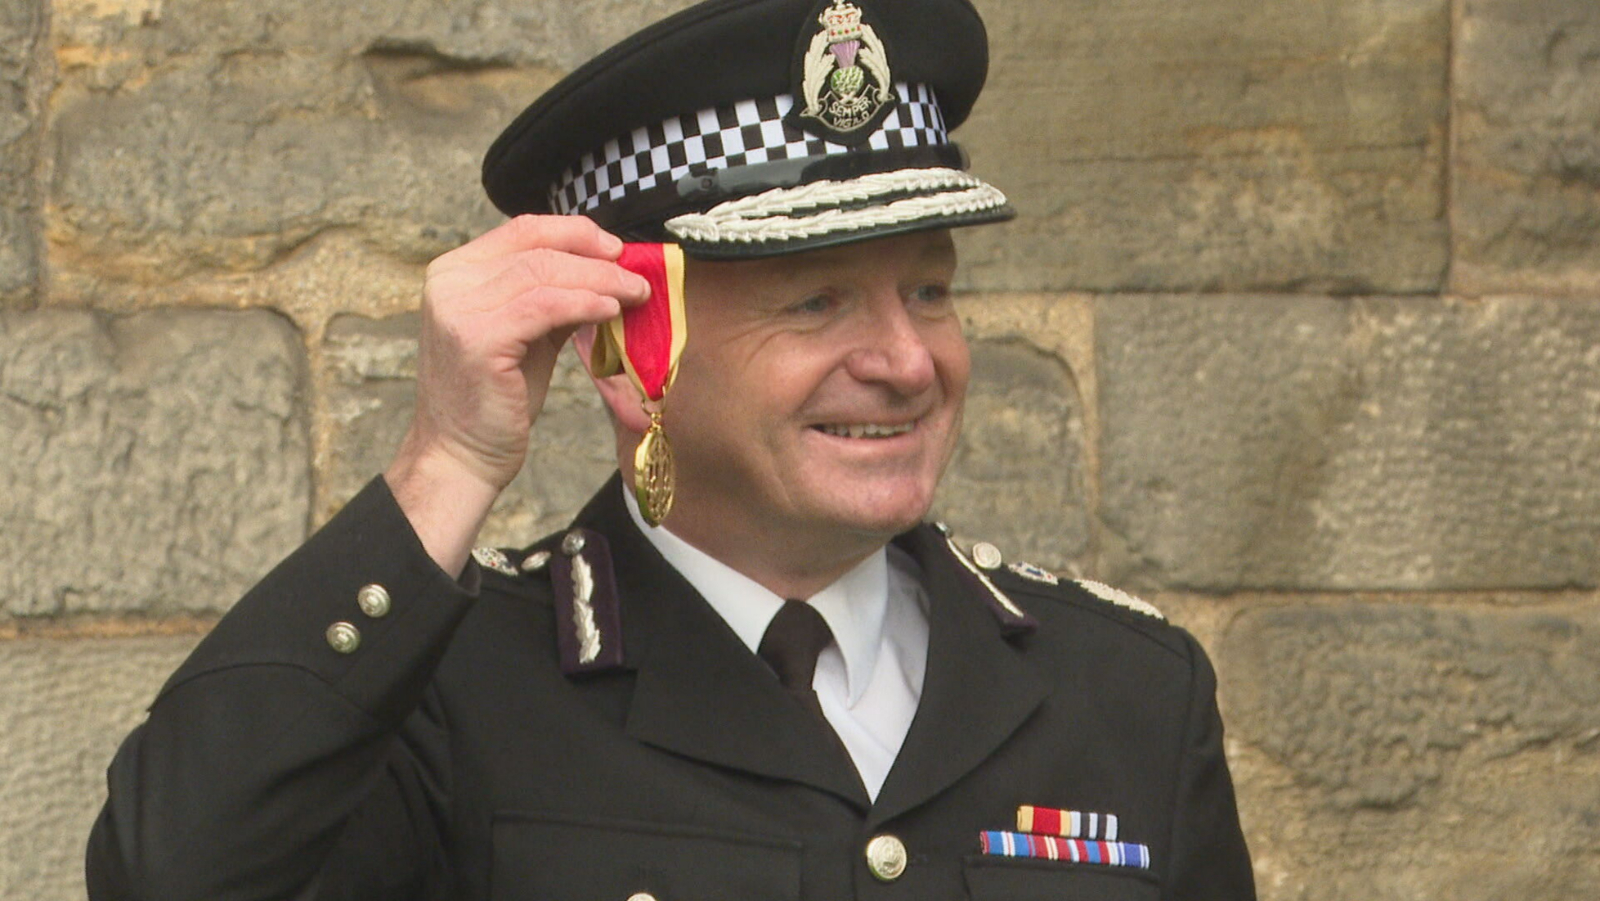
point(790, 646)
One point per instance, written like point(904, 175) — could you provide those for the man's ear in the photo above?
point(616, 390)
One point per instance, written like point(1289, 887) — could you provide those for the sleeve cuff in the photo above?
point(360, 604)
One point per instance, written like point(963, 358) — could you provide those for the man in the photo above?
point(789, 688)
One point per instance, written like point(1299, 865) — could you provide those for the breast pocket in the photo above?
point(552, 858)
point(991, 878)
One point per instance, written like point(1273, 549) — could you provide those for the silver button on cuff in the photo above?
point(987, 555)
point(344, 638)
point(886, 857)
point(373, 601)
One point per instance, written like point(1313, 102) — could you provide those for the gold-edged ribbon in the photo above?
point(646, 342)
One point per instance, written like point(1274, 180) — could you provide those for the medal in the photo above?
point(646, 342)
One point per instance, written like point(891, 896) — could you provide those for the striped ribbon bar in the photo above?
point(1066, 823)
point(1076, 850)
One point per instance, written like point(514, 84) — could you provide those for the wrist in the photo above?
point(445, 501)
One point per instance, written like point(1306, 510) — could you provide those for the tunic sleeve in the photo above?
point(1209, 857)
point(295, 754)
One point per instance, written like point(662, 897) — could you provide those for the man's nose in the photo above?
point(893, 349)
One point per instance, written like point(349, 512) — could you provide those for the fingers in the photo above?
point(576, 235)
point(528, 270)
point(551, 311)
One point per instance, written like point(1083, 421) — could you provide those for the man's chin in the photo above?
point(882, 514)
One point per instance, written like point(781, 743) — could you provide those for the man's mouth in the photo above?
point(865, 431)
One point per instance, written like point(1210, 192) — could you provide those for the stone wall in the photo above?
point(1298, 334)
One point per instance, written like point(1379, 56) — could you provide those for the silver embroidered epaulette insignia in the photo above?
point(535, 562)
point(1121, 598)
point(1036, 573)
point(588, 615)
point(495, 559)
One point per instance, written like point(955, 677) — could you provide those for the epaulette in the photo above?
point(584, 588)
point(984, 558)
point(493, 558)
point(1120, 598)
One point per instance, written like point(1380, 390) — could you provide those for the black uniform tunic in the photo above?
point(459, 753)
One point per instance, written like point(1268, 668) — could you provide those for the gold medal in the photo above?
point(653, 472)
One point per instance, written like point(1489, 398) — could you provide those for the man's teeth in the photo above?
point(866, 431)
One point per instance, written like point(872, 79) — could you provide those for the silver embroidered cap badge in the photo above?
point(845, 82)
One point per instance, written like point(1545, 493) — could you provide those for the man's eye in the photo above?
point(817, 303)
point(931, 294)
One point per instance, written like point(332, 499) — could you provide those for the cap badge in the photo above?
point(844, 78)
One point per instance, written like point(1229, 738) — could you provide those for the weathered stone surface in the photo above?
point(1397, 752)
point(154, 462)
point(66, 707)
point(1220, 144)
point(198, 136)
point(1017, 478)
point(1527, 165)
point(1253, 442)
point(21, 84)
point(371, 389)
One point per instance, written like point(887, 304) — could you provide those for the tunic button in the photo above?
point(373, 600)
point(987, 555)
point(641, 896)
point(344, 638)
point(572, 544)
point(886, 857)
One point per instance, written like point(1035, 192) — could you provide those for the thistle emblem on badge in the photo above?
point(845, 81)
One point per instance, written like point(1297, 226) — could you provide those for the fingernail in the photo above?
point(611, 243)
point(642, 284)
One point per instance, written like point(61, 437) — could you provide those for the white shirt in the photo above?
point(869, 678)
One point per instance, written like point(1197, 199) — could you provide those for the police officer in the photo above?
point(747, 670)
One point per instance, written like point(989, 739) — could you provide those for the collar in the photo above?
point(854, 606)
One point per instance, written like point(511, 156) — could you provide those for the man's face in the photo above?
point(819, 395)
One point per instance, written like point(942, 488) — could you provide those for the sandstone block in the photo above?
point(1018, 476)
point(1393, 751)
point(155, 462)
point(371, 372)
point(66, 707)
point(21, 86)
point(196, 137)
point(1317, 443)
point(1216, 145)
point(1527, 164)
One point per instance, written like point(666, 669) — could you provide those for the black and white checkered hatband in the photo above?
point(740, 180)
point(746, 133)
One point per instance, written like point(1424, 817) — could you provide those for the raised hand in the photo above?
point(495, 313)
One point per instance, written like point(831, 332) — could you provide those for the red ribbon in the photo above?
point(647, 340)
